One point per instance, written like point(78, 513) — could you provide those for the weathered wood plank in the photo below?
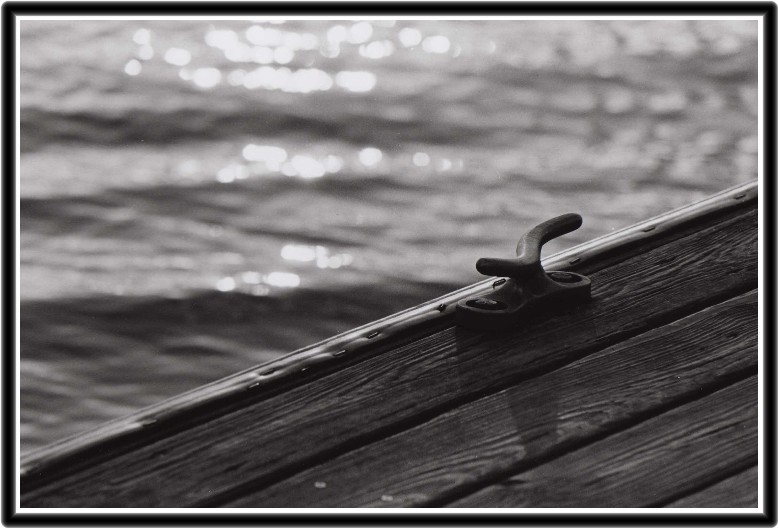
point(282, 435)
point(738, 491)
point(642, 466)
point(542, 417)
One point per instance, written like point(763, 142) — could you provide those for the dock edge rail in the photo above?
point(352, 342)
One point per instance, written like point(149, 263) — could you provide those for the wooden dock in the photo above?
point(646, 396)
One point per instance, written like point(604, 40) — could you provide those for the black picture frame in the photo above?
point(11, 516)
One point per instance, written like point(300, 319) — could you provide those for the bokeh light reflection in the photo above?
point(133, 67)
point(356, 81)
point(282, 279)
point(178, 56)
point(370, 156)
point(436, 44)
point(206, 77)
point(409, 37)
point(221, 38)
point(320, 256)
point(359, 33)
point(145, 52)
point(142, 36)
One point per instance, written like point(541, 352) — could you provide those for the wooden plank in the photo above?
point(402, 387)
point(543, 417)
point(668, 455)
point(738, 491)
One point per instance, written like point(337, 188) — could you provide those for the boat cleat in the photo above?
point(525, 287)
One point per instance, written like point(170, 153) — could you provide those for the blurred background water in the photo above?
point(198, 197)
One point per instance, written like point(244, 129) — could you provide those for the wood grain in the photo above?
point(540, 418)
point(642, 466)
point(738, 491)
point(275, 438)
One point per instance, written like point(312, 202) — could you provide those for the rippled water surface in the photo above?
point(200, 197)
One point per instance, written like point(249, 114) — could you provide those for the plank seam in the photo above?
point(619, 427)
point(724, 475)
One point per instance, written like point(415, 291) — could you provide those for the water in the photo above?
point(200, 197)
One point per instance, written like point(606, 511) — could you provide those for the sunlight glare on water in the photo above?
point(200, 196)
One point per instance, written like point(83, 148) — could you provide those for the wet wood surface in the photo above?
point(646, 465)
point(443, 419)
point(543, 417)
point(738, 491)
